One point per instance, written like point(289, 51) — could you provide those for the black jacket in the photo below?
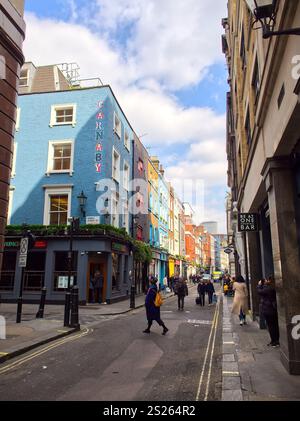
point(268, 299)
point(210, 288)
point(201, 289)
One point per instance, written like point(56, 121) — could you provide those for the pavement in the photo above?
point(32, 333)
point(252, 371)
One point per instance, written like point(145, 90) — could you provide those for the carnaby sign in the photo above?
point(248, 222)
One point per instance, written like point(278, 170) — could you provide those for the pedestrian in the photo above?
point(267, 293)
point(201, 291)
point(182, 291)
point(153, 312)
point(210, 291)
point(240, 301)
point(98, 286)
point(91, 291)
point(165, 285)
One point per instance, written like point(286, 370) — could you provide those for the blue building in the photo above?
point(68, 142)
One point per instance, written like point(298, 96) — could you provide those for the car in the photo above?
point(206, 277)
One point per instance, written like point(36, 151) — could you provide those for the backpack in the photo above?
point(158, 300)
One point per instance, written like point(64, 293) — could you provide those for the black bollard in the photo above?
point(67, 309)
point(74, 308)
point(19, 309)
point(132, 296)
point(40, 313)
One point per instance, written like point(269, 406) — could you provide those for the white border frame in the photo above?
point(114, 150)
point(115, 130)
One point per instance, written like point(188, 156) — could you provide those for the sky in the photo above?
point(163, 60)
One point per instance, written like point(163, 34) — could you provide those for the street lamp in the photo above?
point(82, 201)
point(265, 12)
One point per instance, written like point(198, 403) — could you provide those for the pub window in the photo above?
point(116, 263)
point(8, 271)
point(61, 270)
point(35, 271)
point(125, 277)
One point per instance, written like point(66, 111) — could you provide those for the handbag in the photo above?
point(158, 300)
point(215, 299)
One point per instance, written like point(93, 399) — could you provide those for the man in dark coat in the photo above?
point(182, 291)
point(153, 312)
point(98, 285)
point(201, 291)
point(210, 291)
point(269, 309)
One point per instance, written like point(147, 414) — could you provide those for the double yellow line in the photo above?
point(42, 351)
point(211, 348)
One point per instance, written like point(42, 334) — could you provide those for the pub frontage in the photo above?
point(48, 266)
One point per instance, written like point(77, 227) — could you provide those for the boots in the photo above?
point(165, 330)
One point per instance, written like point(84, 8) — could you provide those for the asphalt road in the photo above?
point(112, 360)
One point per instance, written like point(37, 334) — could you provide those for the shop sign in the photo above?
point(247, 222)
point(93, 220)
point(119, 247)
point(40, 244)
point(12, 244)
point(63, 282)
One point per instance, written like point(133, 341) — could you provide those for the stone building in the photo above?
point(263, 150)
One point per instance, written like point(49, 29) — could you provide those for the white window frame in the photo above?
point(53, 191)
point(126, 216)
point(14, 160)
point(117, 128)
point(127, 140)
point(24, 78)
point(58, 107)
point(10, 203)
point(116, 177)
point(126, 181)
point(18, 116)
point(51, 145)
point(115, 217)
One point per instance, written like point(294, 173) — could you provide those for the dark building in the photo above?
point(12, 34)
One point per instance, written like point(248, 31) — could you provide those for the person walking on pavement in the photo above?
point(240, 301)
point(153, 312)
point(201, 291)
point(267, 293)
point(98, 285)
point(210, 291)
point(182, 291)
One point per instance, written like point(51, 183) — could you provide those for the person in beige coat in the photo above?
point(240, 301)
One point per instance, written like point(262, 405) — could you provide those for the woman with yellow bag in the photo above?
point(152, 303)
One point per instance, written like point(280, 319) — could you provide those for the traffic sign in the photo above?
point(23, 252)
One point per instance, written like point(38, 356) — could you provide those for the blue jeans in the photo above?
point(242, 316)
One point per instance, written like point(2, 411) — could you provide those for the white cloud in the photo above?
point(170, 49)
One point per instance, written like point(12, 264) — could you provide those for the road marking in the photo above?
point(3, 353)
point(211, 358)
point(231, 373)
point(200, 322)
point(228, 343)
point(206, 354)
point(23, 360)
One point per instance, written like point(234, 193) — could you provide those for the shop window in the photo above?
point(116, 270)
point(8, 271)
point(61, 270)
point(35, 271)
point(125, 277)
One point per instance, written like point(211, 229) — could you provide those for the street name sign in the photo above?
point(23, 253)
point(247, 222)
